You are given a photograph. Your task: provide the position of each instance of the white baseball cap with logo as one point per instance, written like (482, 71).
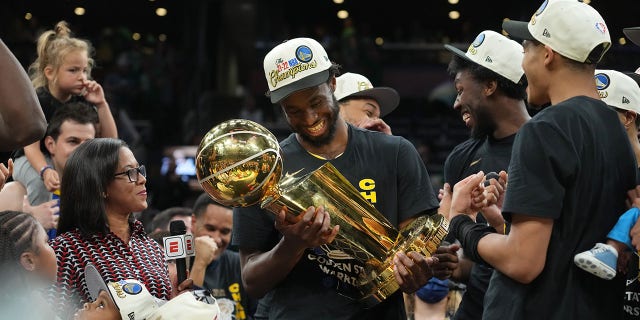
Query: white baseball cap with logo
(130, 296)
(294, 65)
(496, 53)
(135, 302)
(353, 85)
(618, 90)
(571, 28)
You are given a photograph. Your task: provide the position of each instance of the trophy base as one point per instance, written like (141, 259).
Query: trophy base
(423, 235)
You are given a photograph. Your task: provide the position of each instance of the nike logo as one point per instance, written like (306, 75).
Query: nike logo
(474, 163)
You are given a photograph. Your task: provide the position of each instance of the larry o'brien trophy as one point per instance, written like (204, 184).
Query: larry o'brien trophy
(239, 164)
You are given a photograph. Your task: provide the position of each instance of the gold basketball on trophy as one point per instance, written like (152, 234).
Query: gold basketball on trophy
(238, 162)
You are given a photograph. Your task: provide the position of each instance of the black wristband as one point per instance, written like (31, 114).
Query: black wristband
(469, 234)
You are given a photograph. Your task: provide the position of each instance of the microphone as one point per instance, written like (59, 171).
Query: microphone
(178, 246)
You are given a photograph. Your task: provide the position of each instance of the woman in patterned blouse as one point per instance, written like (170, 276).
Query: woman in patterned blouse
(102, 186)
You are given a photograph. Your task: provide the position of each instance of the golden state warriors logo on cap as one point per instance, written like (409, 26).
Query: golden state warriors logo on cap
(602, 81)
(479, 40)
(539, 11)
(304, 54)
(132, 288)
(542, 7)
(476, 43)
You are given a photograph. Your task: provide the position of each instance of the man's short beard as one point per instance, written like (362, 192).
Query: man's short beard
(326, 139)
(484, 125)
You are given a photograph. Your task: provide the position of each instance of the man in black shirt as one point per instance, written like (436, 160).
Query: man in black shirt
(491, 90)
(305, 276)
(570, 170)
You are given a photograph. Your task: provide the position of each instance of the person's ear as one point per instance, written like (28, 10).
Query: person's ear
(28, 261)
(49, 143)
(332, 84)
(193, 223)
(49, 72)
(629, 119)
(549, 55)
(490, 87)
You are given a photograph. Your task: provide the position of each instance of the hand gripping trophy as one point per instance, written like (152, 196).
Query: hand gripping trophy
(239, 164)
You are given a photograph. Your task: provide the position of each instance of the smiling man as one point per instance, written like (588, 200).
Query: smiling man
(291, 261)
(362, 104)
(570, 170)
(490, 86)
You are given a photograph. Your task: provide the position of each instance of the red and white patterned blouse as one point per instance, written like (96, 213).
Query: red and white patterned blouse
(142, 259)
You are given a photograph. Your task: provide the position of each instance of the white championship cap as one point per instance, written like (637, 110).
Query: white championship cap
(134, 301)
(618, 90)
(130, 296)
(496, 53)
(571, 28)
(352, 85)
(294, 65)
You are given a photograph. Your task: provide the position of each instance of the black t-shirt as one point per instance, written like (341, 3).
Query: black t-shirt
(388, 172)
(571, 163)
(224, 281)
(632, 292)
(468, 158)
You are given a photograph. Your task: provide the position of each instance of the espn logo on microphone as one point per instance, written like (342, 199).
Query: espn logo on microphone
(176, 247)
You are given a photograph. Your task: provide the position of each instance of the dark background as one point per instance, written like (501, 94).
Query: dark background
(210, 65)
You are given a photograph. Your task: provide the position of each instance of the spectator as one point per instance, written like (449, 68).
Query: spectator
(163, 218)
(61, 74)
(102, 186)
(215, 267)
(28, 265)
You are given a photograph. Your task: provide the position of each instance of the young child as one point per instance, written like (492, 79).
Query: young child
(28, 264)
(61, 74)
(130, 299)
(621, 92)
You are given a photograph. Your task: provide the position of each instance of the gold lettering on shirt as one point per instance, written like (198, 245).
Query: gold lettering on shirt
(368, 185)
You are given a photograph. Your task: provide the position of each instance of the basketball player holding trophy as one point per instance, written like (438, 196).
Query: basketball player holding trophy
(334, 222)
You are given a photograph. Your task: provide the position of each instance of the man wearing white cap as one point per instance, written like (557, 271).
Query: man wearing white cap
(306, 276)
(362, 104)
(571, 167)
(491, 91)
(621, 92)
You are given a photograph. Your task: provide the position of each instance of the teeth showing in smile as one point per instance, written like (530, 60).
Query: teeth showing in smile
(317, 128)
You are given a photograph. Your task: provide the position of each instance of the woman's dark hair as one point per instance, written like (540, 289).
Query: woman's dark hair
(482, 74)
(87, 173)
(18, 234)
